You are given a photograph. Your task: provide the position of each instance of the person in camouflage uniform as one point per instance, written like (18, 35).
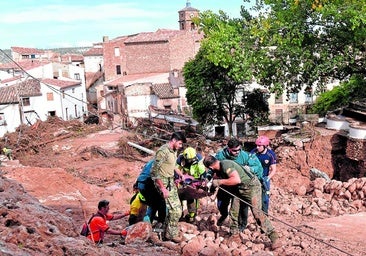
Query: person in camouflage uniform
(162, 174)
(246, 187)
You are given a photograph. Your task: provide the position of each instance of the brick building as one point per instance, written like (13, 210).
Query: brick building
(162, 52)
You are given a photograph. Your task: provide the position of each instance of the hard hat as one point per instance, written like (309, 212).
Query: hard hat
(189, 153)
(262, 141)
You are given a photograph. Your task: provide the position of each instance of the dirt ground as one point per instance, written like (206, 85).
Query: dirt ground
(71, 173)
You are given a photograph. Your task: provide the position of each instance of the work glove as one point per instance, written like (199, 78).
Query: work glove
(215, 183)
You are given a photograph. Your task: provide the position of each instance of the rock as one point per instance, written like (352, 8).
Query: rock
(301, 190)
(352, 187)
(318, 193)
(358, 204)
(213, 250)
(319, 183)
(193, 247)
(138, 233)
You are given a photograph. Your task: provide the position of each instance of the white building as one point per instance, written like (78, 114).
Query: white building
(38, 89)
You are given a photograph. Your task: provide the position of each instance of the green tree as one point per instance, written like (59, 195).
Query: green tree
(302, 43)
(255, 105)
(210, 92)
(341, 96)
(222, 66)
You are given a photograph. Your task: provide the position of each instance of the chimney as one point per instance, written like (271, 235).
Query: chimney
(105, 39)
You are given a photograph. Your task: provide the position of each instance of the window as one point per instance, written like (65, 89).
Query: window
(50, 96)
(293, 97)
(279, 115)
(73, 90)
(118, 69)
(279, 98)
(116, 52)
(240, 129)
(52, 113)
(308, 97)
(2, 119)
(77, 76)
(220, 131)
(25, 101)
(76, 110)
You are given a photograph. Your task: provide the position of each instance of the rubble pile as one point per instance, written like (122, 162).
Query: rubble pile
(42, 214)
(33, 139)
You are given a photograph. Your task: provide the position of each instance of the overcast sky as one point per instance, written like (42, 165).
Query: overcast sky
(70, 23)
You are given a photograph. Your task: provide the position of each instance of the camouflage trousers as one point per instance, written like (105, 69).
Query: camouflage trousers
(174, 209)
(252, 194)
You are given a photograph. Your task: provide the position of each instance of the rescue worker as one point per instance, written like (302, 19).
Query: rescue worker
(189, 163)
(162, 173)
(8, 152)
(99, 226)
(246, 187)
(268, 159)
(138, 207)
(154, 200)
(233, 151)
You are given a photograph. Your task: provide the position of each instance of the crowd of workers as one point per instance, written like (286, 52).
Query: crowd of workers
(241, 178)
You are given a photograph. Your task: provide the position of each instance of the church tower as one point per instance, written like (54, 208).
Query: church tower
(185, 17)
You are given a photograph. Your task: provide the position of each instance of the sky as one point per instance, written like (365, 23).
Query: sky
(71, 23)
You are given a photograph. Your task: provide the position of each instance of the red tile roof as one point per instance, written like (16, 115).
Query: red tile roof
(72, 57)
(97, 51)
(24, 64)
(28, 88)
(10, 79)
(161, 35)
(91, 78)
(26, 51)
(164, 91)
(61, 83)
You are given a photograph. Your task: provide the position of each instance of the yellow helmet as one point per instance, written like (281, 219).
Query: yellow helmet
(141, 197)
(189, 153)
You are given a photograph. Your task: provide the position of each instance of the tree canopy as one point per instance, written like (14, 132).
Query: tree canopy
(341, 96)
(222, 67)
(308, 43)
(287, 46)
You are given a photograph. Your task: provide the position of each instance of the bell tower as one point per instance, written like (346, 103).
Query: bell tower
(185, 17)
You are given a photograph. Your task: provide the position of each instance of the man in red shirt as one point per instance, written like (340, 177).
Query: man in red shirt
(98, 225)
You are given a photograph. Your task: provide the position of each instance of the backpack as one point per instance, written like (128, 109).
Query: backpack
(145, 175)
(85, 228)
